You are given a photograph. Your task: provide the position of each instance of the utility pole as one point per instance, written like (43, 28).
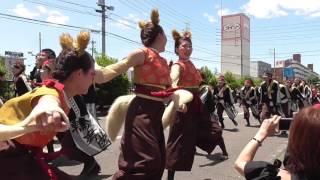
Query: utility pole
(92, 47)
(187, 26)
(274, 61)
(103, 10)
(39, 41)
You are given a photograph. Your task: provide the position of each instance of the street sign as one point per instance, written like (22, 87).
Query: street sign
(15, 54)
(288, 72)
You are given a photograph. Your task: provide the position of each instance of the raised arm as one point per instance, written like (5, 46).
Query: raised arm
(175, 75)
(45, 116)
(268, 127)
(107, 73)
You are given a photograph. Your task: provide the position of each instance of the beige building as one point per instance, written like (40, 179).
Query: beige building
(235, 44)
(257, 68)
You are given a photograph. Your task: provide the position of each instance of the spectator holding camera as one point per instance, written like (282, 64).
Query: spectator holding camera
(303, 148)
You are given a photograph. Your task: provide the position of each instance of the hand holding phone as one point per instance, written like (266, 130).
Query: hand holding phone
(285, 123)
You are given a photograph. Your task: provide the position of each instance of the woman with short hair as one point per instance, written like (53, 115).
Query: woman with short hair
(21, 85)
(303, 148)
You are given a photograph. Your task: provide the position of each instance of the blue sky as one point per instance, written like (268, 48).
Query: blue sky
(289, 26)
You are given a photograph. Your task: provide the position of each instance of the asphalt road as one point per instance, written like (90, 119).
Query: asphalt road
(205, 167)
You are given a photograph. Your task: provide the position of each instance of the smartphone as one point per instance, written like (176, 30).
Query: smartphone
(285, 123)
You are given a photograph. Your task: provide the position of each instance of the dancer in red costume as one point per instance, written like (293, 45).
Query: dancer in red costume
(44, 110)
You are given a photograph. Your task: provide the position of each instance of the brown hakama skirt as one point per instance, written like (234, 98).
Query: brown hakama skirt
(191, 129)
(142, 153)
(181, 144)
(209, 133)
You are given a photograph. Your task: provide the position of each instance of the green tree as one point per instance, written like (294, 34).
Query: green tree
(313, 79)
(231, 80)
(104, 60)
(257, 82)
(108, 92)
(6, 92)
(243, 78)
(209, 77)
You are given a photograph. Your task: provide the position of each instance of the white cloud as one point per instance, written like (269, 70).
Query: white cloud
(209, 17)
(128, 22)
(303, 7)
(223, 12)
(145, 14)
(20, 10)
(42, 9)
(317, 14)
(276, 8)
(133, 17)
(57, 17)
(123, 24)
(265, 9)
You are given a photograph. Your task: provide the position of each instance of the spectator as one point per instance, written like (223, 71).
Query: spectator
(46, 70)
(44, 55)
(20, 80)
(90, 100)
(1, 80)
(303, 148)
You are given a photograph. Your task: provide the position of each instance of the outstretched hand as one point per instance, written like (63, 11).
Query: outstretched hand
(48, 116)
(51, 121)
(269, 126)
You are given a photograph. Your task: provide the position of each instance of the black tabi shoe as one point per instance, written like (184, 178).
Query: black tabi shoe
(224, 156)
(234, 122)
(90, 168)
(222, 125)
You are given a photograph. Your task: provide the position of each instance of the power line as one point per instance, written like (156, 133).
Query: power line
(46, 22)
(85, 12)
(277, 32)
(282, 26)
(172, 15)
(179, 14)
(268, 43)
(77, 4)
(80, 5)
(164, 14)
(202, 49)
(12, 17)
(205, 50)
(282, 37)
(199, 48)
(61, 7)
(22, 19)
